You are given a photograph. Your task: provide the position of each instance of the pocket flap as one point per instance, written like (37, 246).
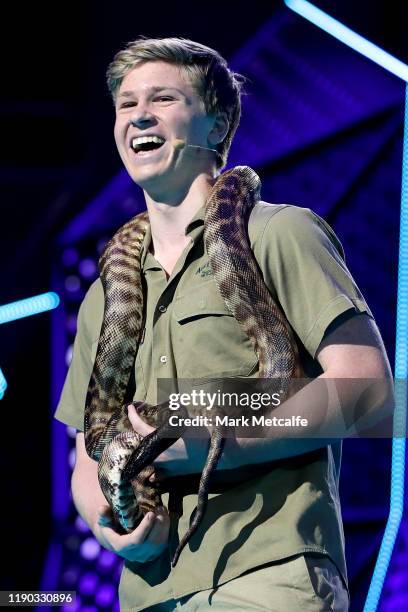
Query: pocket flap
(201, 301)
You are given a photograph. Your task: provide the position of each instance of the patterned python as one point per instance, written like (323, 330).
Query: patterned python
(125, 458)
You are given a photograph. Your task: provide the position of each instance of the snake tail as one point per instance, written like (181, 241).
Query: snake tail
(217, 444)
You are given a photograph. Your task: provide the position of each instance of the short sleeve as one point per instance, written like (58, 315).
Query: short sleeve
(70, 409)
(303, 264)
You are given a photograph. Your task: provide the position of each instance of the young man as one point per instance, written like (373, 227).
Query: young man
(271, 538)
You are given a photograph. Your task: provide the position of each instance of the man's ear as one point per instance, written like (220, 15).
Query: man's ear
(219, 129)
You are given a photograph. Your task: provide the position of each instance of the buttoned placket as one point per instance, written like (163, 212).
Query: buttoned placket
(161, 351)
(161, 358)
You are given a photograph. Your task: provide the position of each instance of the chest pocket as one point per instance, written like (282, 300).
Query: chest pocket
(208, 340)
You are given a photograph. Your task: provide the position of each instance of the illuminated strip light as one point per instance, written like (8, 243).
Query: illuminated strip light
(25, 308)
(29, 306)
(3, 385)
(401, 373)
(349, 37)
(399, 69)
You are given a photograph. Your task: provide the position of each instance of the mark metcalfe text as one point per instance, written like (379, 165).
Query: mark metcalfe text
(252, 421)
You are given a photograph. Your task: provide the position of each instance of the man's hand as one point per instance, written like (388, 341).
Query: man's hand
(186, 456)
(145, 543)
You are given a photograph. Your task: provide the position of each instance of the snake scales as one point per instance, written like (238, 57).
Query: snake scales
(125, 458)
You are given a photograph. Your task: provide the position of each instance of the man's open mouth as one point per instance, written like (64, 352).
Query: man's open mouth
(143, 144)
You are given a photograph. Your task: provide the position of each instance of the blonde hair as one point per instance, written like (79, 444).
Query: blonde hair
(219, 87)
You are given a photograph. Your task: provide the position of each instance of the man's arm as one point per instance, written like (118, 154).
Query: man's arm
(352, 350)
(145, 543)
(86, 492)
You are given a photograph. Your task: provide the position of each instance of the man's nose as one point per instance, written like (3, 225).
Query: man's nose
(142, 118)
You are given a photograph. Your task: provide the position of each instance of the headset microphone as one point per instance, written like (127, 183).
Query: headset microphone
(179, 145)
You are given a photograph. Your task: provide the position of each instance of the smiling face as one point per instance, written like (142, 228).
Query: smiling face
(156, 104)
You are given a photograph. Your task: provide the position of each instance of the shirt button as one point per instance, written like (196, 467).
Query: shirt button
(162, 308)
(163, 359)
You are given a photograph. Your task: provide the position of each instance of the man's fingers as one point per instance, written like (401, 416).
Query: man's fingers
(137, 536)
(145, 543)
(160, 530)
(105, 516)
(143, 529)
(137, 423)
(158, 475)
(151, 527)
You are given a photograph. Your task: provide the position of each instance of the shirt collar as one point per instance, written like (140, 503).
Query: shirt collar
(145, 253)
(195, 227)
(197, 220)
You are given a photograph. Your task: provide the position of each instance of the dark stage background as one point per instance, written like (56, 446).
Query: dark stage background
(323, 128)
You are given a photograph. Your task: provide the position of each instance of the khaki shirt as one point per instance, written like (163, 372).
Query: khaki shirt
(190, 333)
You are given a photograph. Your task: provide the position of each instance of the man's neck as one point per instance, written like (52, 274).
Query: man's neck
(169, 219)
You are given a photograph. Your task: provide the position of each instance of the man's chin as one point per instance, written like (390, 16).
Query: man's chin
(145, 175)
(149, 180)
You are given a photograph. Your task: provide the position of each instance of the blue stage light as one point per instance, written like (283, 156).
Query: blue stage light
(25, 308)
(105, 595)
(3, 384)
(29, 306)
(88, 583)
(400, 411)
(398, 68)
(349, 37)
(90, 549)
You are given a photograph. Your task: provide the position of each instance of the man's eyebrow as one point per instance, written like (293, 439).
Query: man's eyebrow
(129, 94)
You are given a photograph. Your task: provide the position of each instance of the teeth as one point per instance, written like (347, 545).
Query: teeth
(136, 142)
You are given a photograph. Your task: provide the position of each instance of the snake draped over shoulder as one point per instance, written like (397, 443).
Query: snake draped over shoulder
(125, 458)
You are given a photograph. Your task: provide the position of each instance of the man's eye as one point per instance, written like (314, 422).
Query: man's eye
(127, 104)
(164, 98)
